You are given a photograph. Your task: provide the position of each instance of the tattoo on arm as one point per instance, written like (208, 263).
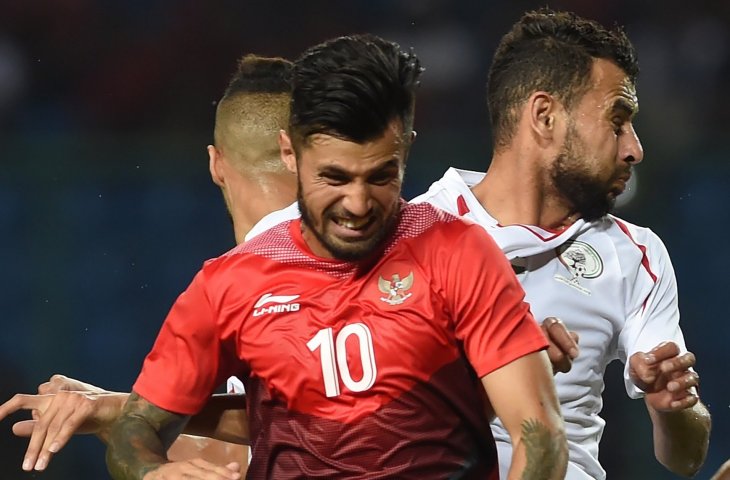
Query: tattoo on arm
(139, 439)
(541, 451)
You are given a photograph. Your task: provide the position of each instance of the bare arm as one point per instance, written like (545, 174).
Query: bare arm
(67, 407)
(523, 396)
(681, 438)
(189, 447)
(57, 417)
(140, 437)
(139, 440)
(224, 418)
(681, 423)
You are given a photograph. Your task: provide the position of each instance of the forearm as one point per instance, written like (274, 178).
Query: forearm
(134, 448)
(223, 418)
(539, 452)
(109, 409)
(681, 438)
(524, 398)
(188, 447)
(140, 437)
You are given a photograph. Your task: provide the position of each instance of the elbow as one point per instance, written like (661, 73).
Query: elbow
(687, 463)
(111, 463)
(688, 453)
(684, 469)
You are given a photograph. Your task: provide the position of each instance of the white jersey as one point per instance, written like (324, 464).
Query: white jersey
(610, 281)
(272, 219)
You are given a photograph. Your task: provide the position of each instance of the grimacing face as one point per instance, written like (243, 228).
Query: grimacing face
(349, 193)
(601, 145)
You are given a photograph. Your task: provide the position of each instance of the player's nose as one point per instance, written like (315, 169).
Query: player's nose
(358, 200)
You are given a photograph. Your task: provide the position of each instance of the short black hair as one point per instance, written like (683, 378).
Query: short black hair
(351, 88)
(255, 74)
(553, 52)
(254, 108)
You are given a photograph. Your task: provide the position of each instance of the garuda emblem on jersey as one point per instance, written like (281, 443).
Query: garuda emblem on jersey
(582, 261)
(396, 288)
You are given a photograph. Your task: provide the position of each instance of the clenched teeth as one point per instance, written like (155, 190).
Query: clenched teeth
(351, 223)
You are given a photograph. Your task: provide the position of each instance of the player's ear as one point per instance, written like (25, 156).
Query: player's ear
(215, 166)
(543, 110)
(288, 156)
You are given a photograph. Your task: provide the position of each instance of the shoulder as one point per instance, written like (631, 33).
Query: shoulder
(419, 218)
(444, 192)
(436, 232)
(251, 254)
(643, 237)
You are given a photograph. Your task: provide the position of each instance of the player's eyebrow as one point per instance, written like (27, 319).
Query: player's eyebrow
(625, 106)
(393, 163)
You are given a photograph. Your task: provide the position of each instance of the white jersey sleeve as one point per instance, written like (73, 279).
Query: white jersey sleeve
(235, 386)
(654, 319)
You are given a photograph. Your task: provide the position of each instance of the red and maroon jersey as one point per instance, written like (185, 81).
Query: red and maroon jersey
(352, 370)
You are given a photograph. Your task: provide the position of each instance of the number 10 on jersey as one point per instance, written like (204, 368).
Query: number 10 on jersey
(336, 348)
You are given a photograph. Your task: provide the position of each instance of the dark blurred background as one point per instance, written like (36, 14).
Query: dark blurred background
(107, 210)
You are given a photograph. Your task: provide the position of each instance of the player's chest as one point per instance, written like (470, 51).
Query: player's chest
(310, 339)
(580, 282)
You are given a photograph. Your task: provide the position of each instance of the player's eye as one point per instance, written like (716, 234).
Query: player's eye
(618, 125)
(381, 178)
(335, 178)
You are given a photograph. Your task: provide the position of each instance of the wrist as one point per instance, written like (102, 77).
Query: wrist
(108, 410)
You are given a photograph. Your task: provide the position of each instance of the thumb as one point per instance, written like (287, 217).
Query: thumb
(234, 467)
(24, 428)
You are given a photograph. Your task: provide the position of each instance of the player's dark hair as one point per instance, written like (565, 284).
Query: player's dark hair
(252, 111)
(553, 52)
(351, 88)
(256, 74)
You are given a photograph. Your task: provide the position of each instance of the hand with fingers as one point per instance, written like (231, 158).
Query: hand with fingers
(196, 469)
(57, 417)
(563, 348)
(58, 383)
(666, 377)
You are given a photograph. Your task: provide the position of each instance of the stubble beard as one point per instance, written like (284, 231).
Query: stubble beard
(342, 250)
(589, 196)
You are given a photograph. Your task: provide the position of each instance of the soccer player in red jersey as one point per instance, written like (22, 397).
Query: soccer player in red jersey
(366, 341)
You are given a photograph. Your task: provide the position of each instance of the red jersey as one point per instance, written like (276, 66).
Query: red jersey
(352, 370)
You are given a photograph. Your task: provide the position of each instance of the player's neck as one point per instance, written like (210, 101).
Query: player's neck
(257, 201)
(516, 192)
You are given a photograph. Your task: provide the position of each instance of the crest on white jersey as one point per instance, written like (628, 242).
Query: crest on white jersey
(396, 288)
(582, 261)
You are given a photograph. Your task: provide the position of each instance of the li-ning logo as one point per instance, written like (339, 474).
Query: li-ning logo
(395, 288)
(283, 304)
(582, 261)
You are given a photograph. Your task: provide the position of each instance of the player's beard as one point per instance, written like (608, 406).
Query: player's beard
(588, 195)
(343, 249)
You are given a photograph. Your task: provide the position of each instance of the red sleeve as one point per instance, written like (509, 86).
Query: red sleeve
(183, 368)
(491, 317)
